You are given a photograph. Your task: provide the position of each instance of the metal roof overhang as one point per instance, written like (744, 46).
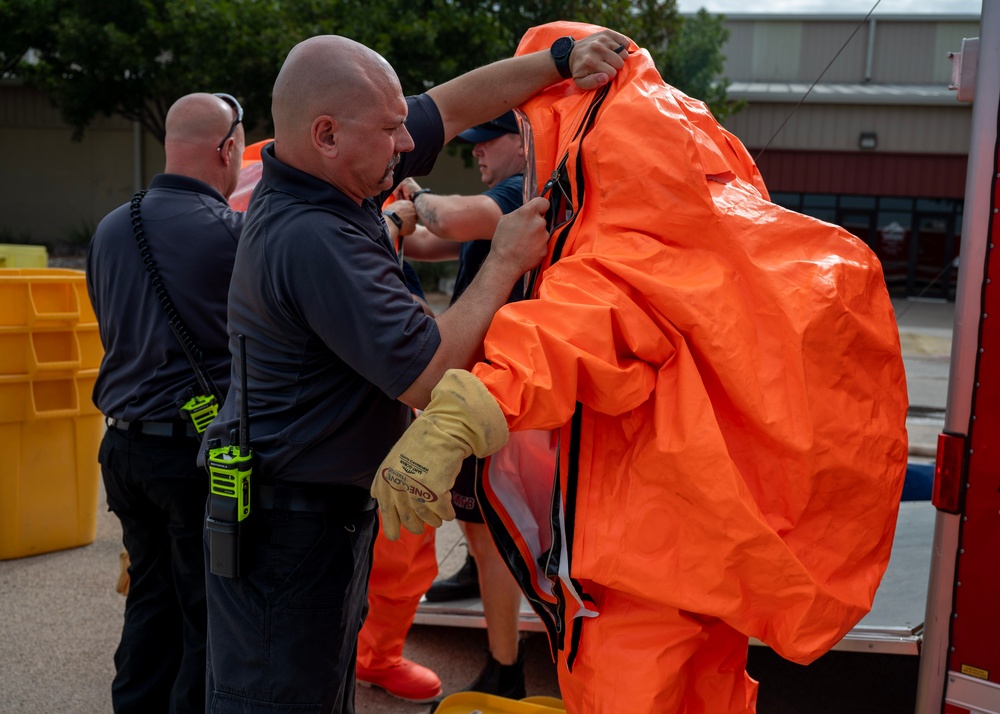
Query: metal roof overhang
(848, 16)
(871, 94)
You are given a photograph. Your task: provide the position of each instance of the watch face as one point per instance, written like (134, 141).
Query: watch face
(562, 46)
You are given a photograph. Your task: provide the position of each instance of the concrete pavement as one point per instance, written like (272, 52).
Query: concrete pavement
(60, 617)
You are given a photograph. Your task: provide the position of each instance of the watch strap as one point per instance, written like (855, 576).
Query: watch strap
(391, 215)
(561, 50)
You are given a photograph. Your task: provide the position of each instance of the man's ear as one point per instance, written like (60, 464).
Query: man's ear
(520, 143)
(227, 150)
(324, 135)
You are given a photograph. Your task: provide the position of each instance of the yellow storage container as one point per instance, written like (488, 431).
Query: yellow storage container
(50, 430)
(44, 297)
(550, 702)
(30, 400)
(30, 351)
(479, 703)
(23, 256)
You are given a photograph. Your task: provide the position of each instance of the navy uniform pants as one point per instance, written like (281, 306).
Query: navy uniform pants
(283, 636)
(158, 493)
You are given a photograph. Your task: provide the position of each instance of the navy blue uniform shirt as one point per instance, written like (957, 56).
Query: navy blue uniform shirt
(192, 234)
(333, 336)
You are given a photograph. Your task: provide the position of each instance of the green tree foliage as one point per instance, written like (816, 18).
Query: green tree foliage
(133, 58)
(22, 24)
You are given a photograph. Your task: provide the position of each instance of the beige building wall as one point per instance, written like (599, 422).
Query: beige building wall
(900, 129)
(55, 189)
(889, 78)
(762, 48)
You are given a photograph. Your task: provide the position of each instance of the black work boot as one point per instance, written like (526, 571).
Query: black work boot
(460, 586)
(501, 680)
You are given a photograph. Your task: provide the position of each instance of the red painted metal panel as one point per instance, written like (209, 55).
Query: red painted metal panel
(864, 173)
(976, 624)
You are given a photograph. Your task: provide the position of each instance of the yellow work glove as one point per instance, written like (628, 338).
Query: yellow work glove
(413, 484)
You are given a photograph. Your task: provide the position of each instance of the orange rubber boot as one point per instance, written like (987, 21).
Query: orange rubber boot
(402, 571)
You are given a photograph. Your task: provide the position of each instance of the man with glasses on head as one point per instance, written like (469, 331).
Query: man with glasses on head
(149, 453)
(237, 120)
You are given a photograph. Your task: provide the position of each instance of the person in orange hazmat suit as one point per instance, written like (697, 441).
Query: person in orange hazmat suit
(697, 424)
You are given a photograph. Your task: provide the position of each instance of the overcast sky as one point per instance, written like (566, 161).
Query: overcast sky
(885, 7)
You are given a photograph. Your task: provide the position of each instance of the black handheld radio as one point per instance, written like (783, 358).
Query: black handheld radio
(229, 469)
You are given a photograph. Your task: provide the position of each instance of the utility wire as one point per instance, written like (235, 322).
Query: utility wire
(829, 64)
(777, 131)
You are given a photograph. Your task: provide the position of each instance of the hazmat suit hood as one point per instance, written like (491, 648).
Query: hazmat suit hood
(719, 379)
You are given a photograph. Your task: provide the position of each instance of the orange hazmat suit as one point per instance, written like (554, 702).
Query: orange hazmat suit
(251, 169)
(707, 408)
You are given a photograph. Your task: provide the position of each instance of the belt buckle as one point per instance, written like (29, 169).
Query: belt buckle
(113, 423)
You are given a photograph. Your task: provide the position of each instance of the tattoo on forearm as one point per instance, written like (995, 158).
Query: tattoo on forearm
(428, 216)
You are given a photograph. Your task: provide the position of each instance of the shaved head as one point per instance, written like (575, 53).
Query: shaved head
(339, 114)
(195, 125)
(331, 75)
(198, 119)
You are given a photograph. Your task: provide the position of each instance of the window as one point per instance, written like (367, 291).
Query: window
(895, 204)
(929, 205)
(787, 200)
(819, 200)
(858, 202)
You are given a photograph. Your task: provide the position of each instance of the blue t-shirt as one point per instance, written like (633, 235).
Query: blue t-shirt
(509, 195)
(412, 281)
(333, 335)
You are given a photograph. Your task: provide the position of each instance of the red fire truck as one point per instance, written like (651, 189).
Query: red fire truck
(960, 651)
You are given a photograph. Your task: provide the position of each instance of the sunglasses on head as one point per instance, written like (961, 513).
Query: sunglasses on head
(231, 101)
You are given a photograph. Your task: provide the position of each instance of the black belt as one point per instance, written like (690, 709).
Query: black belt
(312, 499)
(172, 429)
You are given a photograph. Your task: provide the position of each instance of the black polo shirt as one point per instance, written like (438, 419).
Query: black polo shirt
(333, 336)
(192, 235)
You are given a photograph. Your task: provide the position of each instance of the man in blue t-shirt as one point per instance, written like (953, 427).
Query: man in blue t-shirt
(337, 350)
(461, 227)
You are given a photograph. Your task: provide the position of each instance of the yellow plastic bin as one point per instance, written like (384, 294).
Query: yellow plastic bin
(47, 324)
(50, 430)
(479, 703)
(36, 350)
(44, 297)
(49, 476)
(551, 702)
(23, 256)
